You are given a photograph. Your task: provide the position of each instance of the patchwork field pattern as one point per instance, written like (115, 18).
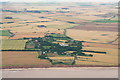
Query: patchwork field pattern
(96, 24)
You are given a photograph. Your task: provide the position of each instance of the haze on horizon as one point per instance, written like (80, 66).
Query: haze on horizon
(60, 1)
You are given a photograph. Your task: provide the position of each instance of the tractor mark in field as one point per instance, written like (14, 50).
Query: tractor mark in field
(100, 45)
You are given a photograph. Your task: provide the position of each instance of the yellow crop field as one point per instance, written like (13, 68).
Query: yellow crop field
(27, 35)
(97, 59)
(111, 51)
(31, 31)
(91, 36)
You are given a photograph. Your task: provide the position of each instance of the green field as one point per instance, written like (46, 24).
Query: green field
(4, 33)
(13, 44)
(62, 26)
(58, 35)
(106, 21)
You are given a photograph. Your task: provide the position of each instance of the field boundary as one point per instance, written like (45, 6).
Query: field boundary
(52, 66)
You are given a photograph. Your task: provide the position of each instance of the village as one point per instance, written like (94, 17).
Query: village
(56, 45)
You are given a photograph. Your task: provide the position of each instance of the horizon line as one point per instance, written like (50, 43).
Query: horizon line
(60, 1)
(64, 1)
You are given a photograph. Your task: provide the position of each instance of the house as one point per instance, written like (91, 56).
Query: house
(63, 44)
(69, 52)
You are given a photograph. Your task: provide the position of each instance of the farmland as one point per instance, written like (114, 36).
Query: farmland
(4, 33)
(63, 33)
(62, 60)
(15, 58)
(92, 36)
(98, 59)
(106, 21)
(13, 44)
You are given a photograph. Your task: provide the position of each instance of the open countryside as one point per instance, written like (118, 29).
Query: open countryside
(59, 34)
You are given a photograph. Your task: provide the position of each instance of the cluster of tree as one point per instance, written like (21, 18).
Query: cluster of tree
(45, 45)
(10, 22)
(41, 26)
(44, 56)
(42, 17)
(8, 18)
(59, 37)
(14, 11)
(1, 23)
(37, 11)
(30, 11)
(63, 8)
(71, 22)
